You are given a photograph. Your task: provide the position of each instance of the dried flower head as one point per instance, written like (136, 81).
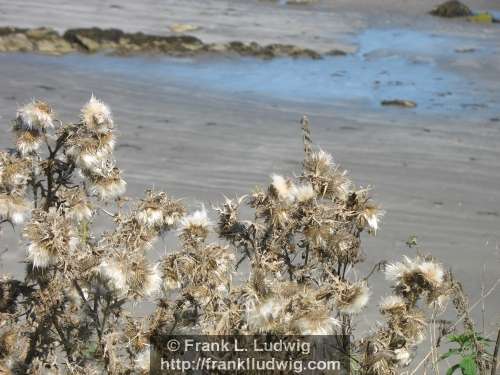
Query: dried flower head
(51, 237)
(304, 193)
(195, 226)
(317, 322)
(131, 274)
(28, 141)
(282, 188)
(35, 115)
(130, 235)
(90, 151)
(410, 325)
(351, 298)
(402, 356)
(432, 272)
(318, 163)
(370, 216)
(261, 316)
(107, 183)
(14, 208)
(114, 272)
(415, 276)
(14, 173)
(319, 233)
(76, 204)
(394, 305)
(228, 224)
(159, 210)
(8, 341)
(327, 179)
(97, 116)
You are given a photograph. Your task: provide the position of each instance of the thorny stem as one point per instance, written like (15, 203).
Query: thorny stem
(377, 267)
(49, 170)
(34, 336)
(248, 239)
(33, 339)
(67, 346)
(462, 305)
(105, 314)
(241, 261)
(306, 135)
(306, 257)
(288, 262)
(93, 313)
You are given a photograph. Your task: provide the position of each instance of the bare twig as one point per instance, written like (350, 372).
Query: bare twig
(472, 307)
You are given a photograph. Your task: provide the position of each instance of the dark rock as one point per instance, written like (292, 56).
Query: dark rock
(116, 41)
(488, 213)
(94, 33)
(45, 87)
(399, 103)
(451, 9)
(56, 46)
(41, 33)
(8, 30)
(270, 51)
(474, 106)
(16, 42)
(465, 50)
(336, 52)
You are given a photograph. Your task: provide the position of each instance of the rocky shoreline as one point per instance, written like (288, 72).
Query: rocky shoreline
(114, 41)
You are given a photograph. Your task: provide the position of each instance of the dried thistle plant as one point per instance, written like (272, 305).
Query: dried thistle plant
(302, 245)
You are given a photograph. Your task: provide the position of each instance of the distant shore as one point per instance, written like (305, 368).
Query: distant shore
(94, 40)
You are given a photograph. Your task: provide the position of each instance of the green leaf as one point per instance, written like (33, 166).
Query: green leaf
(460, 339)
(452, 369)
(468, 366)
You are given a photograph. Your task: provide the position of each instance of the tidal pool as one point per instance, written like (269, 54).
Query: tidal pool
(389, 64)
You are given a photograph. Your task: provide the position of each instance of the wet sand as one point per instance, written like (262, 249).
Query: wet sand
(436, 173)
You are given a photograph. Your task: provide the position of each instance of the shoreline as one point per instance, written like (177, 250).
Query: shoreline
(92, 40)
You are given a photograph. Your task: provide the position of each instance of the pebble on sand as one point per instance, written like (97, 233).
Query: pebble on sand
(399, 103)
(183, 28)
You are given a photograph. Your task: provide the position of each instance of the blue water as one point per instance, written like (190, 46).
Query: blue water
(389, 64)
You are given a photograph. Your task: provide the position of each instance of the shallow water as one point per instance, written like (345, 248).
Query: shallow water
(389, 64)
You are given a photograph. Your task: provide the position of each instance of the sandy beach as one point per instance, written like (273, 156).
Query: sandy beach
(435, 169)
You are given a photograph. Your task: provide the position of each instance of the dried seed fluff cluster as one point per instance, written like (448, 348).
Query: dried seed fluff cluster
(31, 124)
(298, 240)
(15, 173)
(90, 145)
